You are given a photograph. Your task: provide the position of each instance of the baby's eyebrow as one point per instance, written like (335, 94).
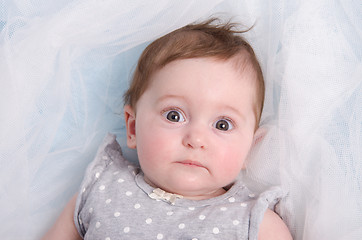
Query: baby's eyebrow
(173, 96)
(240, 113)
(234, 110)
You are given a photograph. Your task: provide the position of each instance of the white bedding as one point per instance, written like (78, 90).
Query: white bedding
(65, 64)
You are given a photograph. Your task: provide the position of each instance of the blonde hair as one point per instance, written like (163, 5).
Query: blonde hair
(204, 39)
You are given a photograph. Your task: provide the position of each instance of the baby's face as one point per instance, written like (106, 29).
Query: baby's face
(194, 126)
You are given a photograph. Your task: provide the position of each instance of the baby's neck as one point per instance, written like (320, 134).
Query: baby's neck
(204, 196)
(216, 193)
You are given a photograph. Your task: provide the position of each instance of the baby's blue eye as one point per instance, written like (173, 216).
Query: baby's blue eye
(174, 116)
(223, 125)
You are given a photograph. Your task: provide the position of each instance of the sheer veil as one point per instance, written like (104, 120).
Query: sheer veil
(65, 64)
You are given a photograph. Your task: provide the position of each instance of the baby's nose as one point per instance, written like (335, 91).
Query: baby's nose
(195, 139)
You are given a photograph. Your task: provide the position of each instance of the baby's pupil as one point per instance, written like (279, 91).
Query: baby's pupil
(173, 116)
(222, 125)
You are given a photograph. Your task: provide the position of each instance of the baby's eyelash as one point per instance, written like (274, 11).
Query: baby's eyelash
(163, 111)
(230, 126)
(229, 119)
(173, 115)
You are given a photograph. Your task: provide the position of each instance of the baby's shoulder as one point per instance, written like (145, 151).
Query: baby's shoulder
(273, 228)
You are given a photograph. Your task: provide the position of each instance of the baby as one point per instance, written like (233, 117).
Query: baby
(192, 112)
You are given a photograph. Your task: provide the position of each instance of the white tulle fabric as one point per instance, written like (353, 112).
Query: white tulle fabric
(65, 64)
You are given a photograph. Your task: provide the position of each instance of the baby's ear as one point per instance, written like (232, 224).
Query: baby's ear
(130, 119)
(259, 135)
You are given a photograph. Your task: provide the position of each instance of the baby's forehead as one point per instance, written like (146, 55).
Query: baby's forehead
(239, 66)
(242, 62)
(243, 65)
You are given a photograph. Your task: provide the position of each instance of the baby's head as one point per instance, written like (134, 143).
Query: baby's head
(204, 40)
(192, 109)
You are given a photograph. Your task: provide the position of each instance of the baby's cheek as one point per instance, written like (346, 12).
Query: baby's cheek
(231, 171)
(152, 146)
(231, 165)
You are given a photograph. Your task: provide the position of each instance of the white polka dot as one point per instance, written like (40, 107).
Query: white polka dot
(105, 157)
(251, 195)
(126, 229)
(236, 222)
(97, 175)
(90, 210)
(243, 204)
(102, 187)
(169, 213)
(98, 224)
(202, 217)
(215, 230)
(223, 208)
(128, 193)
(120, 180)
(195, 239)
(160, 236)
(231, 199)
(83, 190)
(116, 172)
(137, 206)
(148, 220)
(108, 201)
(117, 214)
(191, 208)
(181, 226)
(107, 238)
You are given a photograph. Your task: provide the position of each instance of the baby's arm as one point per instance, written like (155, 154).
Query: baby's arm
(273, 228)
(64, 227)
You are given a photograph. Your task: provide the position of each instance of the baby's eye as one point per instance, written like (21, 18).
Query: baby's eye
(174, 116)
(224, 125)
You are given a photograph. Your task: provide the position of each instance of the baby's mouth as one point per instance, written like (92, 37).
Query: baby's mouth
(191, 163)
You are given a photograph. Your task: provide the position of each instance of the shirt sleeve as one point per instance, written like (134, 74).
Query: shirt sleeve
(102, 160)
(267, 199)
